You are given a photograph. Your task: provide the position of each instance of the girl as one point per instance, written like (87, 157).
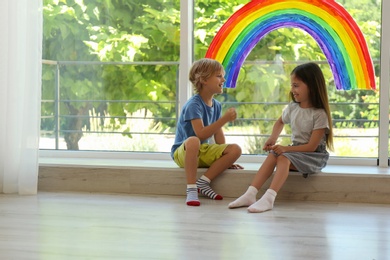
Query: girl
(311, 125)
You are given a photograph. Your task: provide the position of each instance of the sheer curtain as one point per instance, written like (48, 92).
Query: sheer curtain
(20, 93)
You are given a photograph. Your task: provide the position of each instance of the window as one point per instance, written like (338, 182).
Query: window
(263, 83)
(111, 77)
(110, 74)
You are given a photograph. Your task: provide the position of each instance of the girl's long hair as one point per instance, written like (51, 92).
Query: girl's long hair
(311, 74)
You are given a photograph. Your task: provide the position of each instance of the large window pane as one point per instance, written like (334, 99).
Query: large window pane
(111, 70)
(263, 83)
(110, 74)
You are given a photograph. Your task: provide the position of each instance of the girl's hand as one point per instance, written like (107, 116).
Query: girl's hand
(279, 149)
(268, 145)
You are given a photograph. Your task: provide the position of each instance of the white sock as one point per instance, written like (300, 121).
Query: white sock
(266, 202)
(248, 198)
(192, 195)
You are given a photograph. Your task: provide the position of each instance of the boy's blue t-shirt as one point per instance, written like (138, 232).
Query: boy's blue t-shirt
(195, 108)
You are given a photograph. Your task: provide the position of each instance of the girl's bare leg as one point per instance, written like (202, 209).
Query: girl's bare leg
(266, 202)
(266, 170)
(281, 173)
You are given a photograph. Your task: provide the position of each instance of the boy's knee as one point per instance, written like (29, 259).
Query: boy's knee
(235, 148)
(192, 143)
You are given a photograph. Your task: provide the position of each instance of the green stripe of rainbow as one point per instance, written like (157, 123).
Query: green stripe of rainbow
(326, 21)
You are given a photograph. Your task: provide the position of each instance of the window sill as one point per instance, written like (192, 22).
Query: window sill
(336, 183)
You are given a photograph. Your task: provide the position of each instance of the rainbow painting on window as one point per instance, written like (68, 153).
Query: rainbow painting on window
(332, 27)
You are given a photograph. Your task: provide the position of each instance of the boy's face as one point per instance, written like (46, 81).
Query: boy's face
(214, 84)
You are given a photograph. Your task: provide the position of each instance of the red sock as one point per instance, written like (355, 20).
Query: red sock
(193, 203)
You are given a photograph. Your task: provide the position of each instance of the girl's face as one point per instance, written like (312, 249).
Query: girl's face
(300, 92)
(214, 84)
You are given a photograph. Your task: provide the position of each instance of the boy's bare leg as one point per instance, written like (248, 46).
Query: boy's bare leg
(229, 157)
(192, 146)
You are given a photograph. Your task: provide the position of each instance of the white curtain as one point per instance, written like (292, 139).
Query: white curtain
(20, 94)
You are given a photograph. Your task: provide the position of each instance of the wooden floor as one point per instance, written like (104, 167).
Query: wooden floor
(70, 225)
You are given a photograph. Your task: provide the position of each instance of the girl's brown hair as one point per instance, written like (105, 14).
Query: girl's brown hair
(311, 74)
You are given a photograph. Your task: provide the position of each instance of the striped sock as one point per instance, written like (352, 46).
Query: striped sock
(192, 195)
(204, 188)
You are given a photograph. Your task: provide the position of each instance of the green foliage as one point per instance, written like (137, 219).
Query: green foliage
(112, 31)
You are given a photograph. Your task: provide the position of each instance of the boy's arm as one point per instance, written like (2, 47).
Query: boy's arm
(219, 137)
(205, 132)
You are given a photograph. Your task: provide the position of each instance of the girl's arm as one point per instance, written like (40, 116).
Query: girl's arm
(311, 146)
(276, 130)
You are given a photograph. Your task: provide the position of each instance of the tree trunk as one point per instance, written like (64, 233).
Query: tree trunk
(75, 126)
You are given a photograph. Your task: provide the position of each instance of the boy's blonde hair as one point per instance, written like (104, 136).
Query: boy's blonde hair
(202, 70)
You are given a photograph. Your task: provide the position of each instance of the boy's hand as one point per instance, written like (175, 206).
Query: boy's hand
(230, 114)
(236, 167)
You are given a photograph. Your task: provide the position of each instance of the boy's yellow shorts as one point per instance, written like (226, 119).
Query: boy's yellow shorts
(208, 154)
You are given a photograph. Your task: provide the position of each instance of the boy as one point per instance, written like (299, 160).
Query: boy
(200, 121)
